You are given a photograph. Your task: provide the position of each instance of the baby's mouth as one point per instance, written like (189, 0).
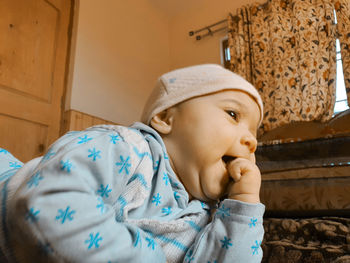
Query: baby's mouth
(227, 159)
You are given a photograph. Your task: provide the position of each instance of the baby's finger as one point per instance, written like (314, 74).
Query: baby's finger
(235, 169)
(252, 158)
(240, 167)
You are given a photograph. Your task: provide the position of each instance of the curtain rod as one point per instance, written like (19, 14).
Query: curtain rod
(211, 32)
(209, 28)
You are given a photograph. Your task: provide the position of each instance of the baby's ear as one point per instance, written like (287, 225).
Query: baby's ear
(163, 121)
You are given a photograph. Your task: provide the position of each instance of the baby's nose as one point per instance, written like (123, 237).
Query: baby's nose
(250, 141)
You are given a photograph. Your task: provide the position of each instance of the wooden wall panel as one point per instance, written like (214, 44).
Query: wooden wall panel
(312, 189)
(76, 121)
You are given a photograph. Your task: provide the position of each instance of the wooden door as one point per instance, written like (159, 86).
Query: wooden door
(34, 37)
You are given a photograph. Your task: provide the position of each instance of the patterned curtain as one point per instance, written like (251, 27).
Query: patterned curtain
(342, 8)
(286, 48)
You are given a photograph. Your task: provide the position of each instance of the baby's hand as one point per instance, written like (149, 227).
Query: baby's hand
(246, 180)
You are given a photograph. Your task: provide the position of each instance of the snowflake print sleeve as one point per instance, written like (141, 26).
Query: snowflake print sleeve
(72, 206)
(234, 235)
(8, 164)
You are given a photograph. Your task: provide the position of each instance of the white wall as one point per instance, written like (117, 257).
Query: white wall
(185, 50)
(121, 47)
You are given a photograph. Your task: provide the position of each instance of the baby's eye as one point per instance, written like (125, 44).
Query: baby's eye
(233, 114)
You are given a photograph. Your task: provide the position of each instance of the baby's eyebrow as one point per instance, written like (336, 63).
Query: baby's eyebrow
(233, 101)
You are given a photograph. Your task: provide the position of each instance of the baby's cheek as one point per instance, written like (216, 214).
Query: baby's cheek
(214, 182)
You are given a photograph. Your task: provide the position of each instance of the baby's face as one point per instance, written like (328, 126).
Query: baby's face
(206, 133)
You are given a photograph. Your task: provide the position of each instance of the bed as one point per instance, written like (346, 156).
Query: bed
(306, 190)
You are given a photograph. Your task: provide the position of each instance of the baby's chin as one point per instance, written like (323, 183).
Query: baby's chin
(213, 195)
(202, 196)
(209, 188)
(214, 190)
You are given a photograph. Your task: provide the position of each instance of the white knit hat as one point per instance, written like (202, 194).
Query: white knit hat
(182, 84)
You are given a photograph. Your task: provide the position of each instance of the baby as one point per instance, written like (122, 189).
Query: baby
(180, 187)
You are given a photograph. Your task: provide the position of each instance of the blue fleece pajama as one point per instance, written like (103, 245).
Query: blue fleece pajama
(109, 194)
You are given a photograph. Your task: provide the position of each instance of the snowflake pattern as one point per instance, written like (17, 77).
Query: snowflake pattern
(124, 164)
(223, 212)
(34, 180)
(48, 155)
(115, 138)
(101, 205)
(256, 247)
(137, 239)
(94, 154)
(84, 139)
(166, 178)
(104, 190)
(176, 195)
(94, 240)
(253, 222)
(4, 151)
(166, 210)
(14, 165)
(156, 165)
(32, 215)
(66, 165)
(151, 242)
(65, 214)
(226, 243)
(156, 199)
